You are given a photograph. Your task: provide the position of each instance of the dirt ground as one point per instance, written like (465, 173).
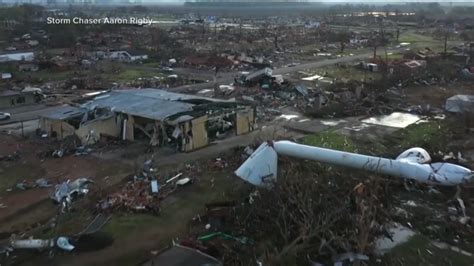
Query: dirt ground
(30, 167)
(108, 166)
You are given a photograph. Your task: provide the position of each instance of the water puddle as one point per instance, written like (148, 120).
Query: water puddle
(396, 119)
(332, 122)
(399, 234)
(287, 117)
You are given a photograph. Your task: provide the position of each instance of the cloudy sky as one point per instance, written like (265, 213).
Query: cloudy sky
(324, 1)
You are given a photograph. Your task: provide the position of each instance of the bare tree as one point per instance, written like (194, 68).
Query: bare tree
(343, 38)
(311, 213)
(446, 37)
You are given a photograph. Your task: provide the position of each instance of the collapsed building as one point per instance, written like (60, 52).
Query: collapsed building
(163, 118)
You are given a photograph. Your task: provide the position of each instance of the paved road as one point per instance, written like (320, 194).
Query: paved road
(228, 77)
(26, 113)
(192, 73)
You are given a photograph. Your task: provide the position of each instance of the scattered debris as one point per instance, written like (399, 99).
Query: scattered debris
(183, 255)
(242, 240)
(10, 157)
(442, 245)
(67, 191)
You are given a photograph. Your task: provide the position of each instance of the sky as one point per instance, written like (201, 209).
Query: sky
(325, 1)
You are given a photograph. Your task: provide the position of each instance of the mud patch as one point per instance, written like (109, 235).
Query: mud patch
(92, 242)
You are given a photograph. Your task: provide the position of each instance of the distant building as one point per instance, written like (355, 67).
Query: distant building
(127, 56)
(29, 67)
(17, 56)
(5, 76)
(9, 98)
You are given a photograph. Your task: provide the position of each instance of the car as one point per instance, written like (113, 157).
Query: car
(167, 69)
(5, 116)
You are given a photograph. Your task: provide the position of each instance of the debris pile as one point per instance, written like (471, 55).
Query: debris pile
(27, 184)
(146, 190)
(273, 93)
(135, 196)
(15, 156)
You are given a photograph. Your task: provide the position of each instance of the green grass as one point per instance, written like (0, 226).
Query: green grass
(412, 37)
(152, 64)
(414, 252)
(176, 211)
(431, 135)
(419, 41)
(176, 208)
(123, 225)
(45, 75)
(330, 140)
(394, 56)
(8, 68)
(348, 73)
(70, 223)
(11, 175)
(130, 74)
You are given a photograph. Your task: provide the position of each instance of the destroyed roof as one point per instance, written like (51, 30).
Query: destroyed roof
(148, 103)
(182, 118)
(265, 71)
(136, 52)
(165, 95)
(65, 112)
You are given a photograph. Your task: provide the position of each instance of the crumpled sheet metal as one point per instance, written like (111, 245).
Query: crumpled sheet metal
(67, 188)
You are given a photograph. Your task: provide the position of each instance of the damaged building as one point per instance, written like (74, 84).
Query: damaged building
(11, 98)
(159, 117)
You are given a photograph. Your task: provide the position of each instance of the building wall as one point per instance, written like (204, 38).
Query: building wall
(129, 135)
(12, 100)
(199, 137)
(245, 121)
(61, 128)
(91, 131)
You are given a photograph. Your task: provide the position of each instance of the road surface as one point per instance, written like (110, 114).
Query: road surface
(227, 78)
(26, 113)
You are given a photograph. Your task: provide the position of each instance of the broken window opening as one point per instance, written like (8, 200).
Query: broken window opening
(220, 126)
(74, 121)
(143, 129)
(20, 99)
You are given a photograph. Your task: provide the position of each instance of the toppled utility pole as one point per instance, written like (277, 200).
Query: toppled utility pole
(260, 168)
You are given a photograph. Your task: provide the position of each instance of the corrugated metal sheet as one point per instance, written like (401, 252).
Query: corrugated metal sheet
(65, 112)
(140, 106)
(165, 95)
(149, 103)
